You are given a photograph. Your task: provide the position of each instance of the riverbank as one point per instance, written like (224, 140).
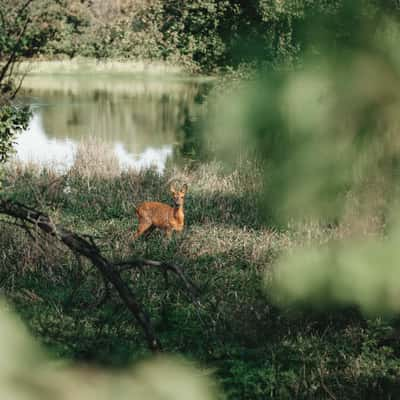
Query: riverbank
(257, 350)
(88, 66)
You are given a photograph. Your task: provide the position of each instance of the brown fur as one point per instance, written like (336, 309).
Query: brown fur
(152, 214)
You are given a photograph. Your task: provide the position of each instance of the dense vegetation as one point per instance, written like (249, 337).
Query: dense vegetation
(201, 34)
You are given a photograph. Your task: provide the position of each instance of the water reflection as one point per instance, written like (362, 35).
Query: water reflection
(140, 120)
(34, 146)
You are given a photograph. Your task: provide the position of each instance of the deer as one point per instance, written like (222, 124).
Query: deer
(152, 214)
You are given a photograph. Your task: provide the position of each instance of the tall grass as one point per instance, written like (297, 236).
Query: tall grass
(94, 159)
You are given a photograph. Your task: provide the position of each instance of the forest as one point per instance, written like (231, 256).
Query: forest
(199, 199)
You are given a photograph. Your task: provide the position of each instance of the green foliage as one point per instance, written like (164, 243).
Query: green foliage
(201, 34)
(12, 120)
(26, 27)
(362, 273)
(327, 135)
(207, 34)
(322, 120)
(27, 373)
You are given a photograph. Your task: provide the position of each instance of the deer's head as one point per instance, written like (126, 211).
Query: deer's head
(179, 195)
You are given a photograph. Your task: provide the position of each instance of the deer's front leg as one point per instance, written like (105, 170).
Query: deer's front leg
(168, 233)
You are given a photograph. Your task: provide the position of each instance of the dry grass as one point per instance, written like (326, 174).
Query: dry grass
(87, 66)
(94, 159)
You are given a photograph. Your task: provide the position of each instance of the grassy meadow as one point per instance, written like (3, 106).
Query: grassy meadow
(253, 348)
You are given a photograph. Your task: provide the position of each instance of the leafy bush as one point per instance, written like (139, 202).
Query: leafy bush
(25, 27)
(12, 119)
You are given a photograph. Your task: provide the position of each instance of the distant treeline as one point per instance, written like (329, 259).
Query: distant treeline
(201, 34)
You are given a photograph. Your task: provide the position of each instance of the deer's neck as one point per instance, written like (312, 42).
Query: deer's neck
(178, 214)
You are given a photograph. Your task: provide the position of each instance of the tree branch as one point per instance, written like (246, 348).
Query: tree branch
(13, 56)
(83, 247)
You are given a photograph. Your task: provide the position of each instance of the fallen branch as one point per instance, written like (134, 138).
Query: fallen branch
(83, 247)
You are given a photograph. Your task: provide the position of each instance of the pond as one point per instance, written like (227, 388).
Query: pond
(145, 121)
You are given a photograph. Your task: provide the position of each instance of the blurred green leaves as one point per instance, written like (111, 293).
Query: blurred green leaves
(26, 374)
(327, 134)
(357, 272)
(321, 132)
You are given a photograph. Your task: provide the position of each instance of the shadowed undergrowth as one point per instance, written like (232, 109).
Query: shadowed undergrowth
(257, 350)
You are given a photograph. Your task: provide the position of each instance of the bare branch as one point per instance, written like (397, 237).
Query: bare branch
(20, 82)
(13, 56)
(83, 247)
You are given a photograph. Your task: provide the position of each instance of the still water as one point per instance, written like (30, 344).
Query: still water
(144, 121)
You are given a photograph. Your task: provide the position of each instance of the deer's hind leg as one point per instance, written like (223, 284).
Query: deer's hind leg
(149, 231)
(142, 228)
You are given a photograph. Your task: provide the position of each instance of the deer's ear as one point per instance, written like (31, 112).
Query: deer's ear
(184, 188)
(172, 189)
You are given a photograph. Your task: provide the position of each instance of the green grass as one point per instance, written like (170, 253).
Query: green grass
(257, 350)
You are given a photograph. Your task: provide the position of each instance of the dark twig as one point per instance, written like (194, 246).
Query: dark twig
(164, 267)
(191, 288)
(106, 295)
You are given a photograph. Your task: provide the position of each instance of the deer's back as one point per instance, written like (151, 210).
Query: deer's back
(158, 214)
